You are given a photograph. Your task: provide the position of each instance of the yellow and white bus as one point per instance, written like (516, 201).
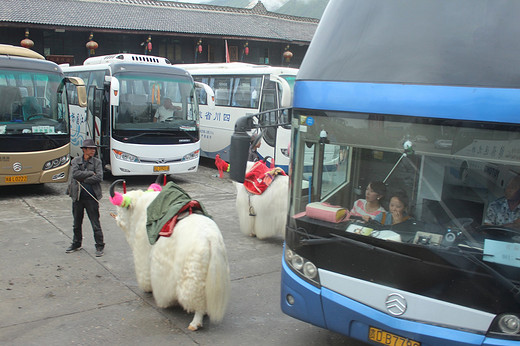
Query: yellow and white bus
(34, 118)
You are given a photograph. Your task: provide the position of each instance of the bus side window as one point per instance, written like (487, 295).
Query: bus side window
(222, 97)
(242, 97)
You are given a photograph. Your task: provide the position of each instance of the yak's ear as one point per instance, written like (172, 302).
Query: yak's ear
(154, 187)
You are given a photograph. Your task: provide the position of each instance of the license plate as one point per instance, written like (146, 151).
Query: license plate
(16, 179)
(386, 338)
(161, 168)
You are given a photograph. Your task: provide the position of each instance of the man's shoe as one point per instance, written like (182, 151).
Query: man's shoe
(73, 248)
(99, 252)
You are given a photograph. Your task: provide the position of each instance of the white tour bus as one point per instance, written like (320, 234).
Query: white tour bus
(126, 95)
(243, 89)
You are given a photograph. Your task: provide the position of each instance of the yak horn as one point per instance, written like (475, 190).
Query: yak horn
(161, 178)
(113, 185)
(157, 185)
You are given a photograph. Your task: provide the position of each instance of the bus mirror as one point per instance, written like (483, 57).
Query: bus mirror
(238, 156)
(82, 96)
(286, 100)
(82, 91)
(208, 92)
(239, 149)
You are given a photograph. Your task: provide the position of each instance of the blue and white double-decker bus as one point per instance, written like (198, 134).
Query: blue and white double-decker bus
(424, 97)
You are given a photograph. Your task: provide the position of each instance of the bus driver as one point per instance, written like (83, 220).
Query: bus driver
(165, 112)
(505, 211)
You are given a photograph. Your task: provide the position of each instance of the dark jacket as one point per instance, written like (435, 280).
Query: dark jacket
(88, 172)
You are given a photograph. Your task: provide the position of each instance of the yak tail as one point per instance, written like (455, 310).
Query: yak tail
(218, 281)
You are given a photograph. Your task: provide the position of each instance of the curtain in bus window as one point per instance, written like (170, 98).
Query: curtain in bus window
(245, 92)
(222, 88)
(241, 93)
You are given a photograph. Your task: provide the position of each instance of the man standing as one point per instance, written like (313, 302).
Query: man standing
(85, 191)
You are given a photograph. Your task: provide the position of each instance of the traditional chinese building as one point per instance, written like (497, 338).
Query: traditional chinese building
(69, 31)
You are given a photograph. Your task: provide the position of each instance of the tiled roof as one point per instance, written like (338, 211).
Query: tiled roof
(160, 16)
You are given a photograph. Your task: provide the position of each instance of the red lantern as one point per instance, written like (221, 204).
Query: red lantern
(149, 46)
(287, 55)
(246, 49)
(92, 46)
(27, 42)
(200, 48)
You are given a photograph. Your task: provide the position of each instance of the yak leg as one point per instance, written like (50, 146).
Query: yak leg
(196, 323)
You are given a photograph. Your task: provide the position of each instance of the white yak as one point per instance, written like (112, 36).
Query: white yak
(264, 215)
(189, 268)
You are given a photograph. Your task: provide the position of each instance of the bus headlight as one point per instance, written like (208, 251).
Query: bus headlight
(57, 162)
(121, 155)
(297, 262)
(191, 156)
(310, 270)
(506, 325)
(509, 324)
(302, 266)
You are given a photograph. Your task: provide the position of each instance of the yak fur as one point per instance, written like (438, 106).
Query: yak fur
(270, 208)
(190, 268)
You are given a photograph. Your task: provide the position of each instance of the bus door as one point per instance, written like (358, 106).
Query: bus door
(96, 118)
(276, 94)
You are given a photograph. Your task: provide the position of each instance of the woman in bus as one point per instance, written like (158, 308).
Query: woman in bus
(398, 210)
(370, 207)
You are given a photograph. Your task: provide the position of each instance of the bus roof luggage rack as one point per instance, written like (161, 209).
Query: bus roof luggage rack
(134, 58)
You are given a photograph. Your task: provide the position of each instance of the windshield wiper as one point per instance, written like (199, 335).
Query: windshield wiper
(148, 134)
(49, 137)
(191, 136)
(337, 238)
(504, 281)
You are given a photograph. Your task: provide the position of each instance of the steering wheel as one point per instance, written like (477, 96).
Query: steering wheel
(43, 115)
(498, 232)
(463, 222)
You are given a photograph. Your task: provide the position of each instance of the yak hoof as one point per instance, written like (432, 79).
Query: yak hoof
(194, 327)
(196, 323)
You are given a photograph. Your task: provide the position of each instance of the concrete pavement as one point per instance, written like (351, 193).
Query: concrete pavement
(48, 297)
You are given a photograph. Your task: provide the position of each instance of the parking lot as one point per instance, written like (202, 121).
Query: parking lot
(50, 297)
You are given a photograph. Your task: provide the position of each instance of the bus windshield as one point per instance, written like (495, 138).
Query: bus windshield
(156, 102)
(32, 102)
(448, 183)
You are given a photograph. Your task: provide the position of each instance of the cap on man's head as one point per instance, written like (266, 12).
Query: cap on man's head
(88, 143)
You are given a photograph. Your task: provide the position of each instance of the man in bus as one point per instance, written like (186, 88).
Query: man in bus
(165, 112)
(505, 211)
(85, 191)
